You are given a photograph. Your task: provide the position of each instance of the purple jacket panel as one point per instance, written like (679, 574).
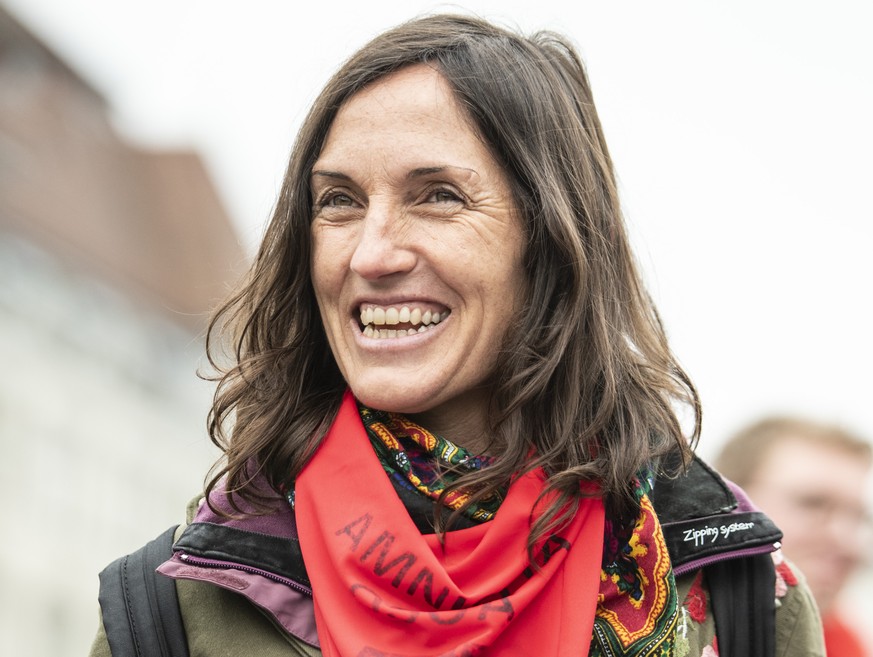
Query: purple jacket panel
(277, 520)
(291, 609)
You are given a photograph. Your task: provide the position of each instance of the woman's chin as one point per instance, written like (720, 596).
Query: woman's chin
(393, 398)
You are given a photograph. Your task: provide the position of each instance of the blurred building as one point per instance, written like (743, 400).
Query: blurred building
(110, 259)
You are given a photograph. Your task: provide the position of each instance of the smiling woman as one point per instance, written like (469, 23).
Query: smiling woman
(413, 212)
(450, 426)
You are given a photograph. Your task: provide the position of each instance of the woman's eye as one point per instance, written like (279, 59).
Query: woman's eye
(338, 201)
(334, 199)
(443, 196)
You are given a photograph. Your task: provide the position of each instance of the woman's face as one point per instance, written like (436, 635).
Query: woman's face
(417, 251)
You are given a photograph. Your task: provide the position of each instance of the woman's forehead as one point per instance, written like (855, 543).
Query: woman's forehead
(411, 119)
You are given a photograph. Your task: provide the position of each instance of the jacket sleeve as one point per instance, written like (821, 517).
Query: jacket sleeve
(100, 646)
(798, 625)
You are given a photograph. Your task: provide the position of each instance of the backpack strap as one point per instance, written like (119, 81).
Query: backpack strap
(140, 607)
(743, 597)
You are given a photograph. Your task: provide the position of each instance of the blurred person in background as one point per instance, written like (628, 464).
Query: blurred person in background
(812, 479)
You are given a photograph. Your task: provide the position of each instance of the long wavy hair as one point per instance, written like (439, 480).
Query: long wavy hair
(585, 382)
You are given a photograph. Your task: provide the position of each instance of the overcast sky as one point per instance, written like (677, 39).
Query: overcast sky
(740, 131)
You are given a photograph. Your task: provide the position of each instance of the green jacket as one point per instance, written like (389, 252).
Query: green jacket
(219, 620)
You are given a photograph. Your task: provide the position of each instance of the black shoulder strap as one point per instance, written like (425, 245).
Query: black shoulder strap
(140, 608)
(743, 597)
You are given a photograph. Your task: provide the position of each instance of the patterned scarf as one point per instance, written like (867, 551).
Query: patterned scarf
(422, 461)
(637, 602)
(637, 608)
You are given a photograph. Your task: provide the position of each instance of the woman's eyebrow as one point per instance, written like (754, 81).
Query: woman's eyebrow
(418, 172)
(331, 174)
(427, 171)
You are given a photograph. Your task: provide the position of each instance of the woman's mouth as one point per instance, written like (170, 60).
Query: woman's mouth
(397, 321)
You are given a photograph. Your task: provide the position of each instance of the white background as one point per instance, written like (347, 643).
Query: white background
(740, 131)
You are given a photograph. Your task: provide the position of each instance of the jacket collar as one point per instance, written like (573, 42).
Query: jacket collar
(697, 492)
(704, 518)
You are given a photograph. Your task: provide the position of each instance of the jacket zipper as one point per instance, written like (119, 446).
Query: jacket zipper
(227, 565)
(696, 564)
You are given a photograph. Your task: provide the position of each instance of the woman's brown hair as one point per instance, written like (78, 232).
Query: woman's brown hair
(585, 380)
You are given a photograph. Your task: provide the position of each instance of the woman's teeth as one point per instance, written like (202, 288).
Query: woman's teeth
(385, 322)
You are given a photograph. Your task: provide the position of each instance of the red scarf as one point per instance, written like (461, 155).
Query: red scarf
(382, 589)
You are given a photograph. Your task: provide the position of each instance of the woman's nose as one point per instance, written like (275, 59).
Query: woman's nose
(384, 244)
